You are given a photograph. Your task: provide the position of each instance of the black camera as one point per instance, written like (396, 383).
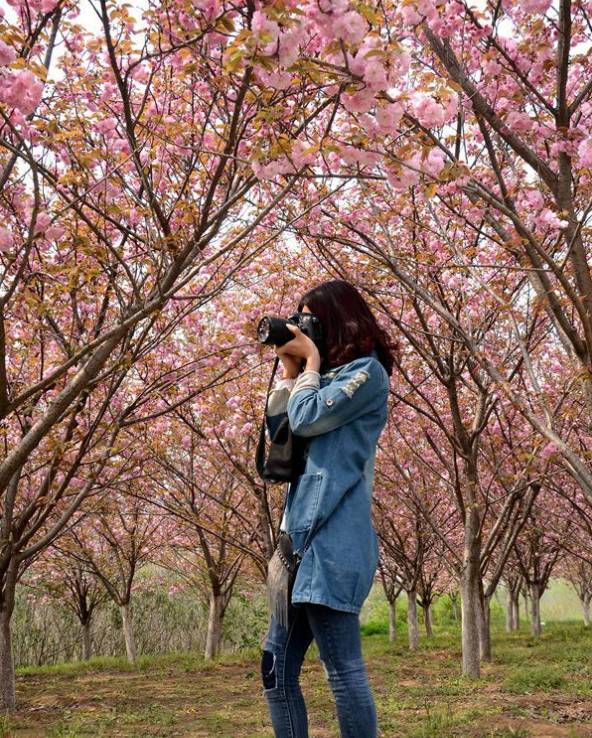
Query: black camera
(275, 332)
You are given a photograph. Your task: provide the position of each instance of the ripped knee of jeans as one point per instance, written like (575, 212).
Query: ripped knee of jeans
(268, 672)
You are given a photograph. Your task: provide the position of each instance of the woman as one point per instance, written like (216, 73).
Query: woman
(339, 402)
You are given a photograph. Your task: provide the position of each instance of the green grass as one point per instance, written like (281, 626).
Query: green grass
(535, 688)
(534, 679)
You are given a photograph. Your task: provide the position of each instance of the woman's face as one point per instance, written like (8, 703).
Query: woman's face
(306, 309)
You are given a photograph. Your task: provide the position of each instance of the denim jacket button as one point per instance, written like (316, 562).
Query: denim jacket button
(329, 402)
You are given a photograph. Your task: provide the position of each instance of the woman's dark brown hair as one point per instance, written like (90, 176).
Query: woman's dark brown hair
(350, 329)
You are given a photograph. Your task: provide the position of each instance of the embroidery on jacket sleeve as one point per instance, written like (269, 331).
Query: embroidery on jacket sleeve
(355, 382)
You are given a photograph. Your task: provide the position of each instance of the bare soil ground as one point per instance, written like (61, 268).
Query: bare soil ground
(533, 688)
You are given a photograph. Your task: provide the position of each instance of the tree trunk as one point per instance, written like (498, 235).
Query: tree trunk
(485, 629)
(393, 620)
(510, 611)
(7, 680)
(412, 629)
(516, 615)
(469, 592)
(427, 616)
(128, 632)
(535, 603)
(86, 641)
(7, 685)
(214, 633)
(586, 610)
(454, 605)
(526, 603)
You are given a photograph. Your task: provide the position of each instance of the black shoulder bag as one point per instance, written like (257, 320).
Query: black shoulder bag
(284, 462)
(285, 459)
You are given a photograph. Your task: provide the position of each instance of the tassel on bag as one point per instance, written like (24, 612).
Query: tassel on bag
(281, 573)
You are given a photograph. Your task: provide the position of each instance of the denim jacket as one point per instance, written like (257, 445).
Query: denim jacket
(328, 508)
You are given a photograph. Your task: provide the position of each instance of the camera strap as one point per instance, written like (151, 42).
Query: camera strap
(260, 454)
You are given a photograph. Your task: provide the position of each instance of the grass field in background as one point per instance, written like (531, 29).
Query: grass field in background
(558, 604)
(535, 688)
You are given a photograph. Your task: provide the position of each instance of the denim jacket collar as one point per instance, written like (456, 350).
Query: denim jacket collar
(332, 371)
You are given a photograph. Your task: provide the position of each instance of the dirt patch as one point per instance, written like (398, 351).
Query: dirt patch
(543, 728)
(416, 694)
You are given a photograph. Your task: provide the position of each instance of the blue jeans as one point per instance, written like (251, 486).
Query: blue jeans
(337, 635)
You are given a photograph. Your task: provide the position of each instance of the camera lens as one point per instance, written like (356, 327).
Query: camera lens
(263, 329)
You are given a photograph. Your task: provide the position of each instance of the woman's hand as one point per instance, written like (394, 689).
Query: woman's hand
(300, 347)
(290, 363)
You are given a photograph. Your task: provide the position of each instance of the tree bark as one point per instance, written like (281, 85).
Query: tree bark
(485, 630)
(393, 621)
(412, 629)
(128, 632)
(586, 611)
(510, 611)
(453, 596)
(526, 603)
(535, 603)
(214, 633)
(7, 676)
(7, 685)
(469, 592)
(427, 616)
(516, 614)
(86, 641)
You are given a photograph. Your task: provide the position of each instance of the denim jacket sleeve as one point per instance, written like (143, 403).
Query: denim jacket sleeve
(313, 409)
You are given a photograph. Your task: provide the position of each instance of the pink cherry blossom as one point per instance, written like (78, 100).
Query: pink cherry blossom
(278, 80)
(535, 6)
(42, 222)
(54, 233)
(410, 15)
(492, 67)
(7, 54)
(407, 176)
(547, 218)
(351, 27)
(6, 240)
(519, 121)
(301, 154)
(334, 6)
(548, 450)
(585, 152)
(23, 92)
(399, 66)
(188, 22)
(428, 112)
(210, 8)
(375, 76)
(360, 102)
(533, 199)
(434, 162)
(389, 117)
(261, 25)
(289, 47)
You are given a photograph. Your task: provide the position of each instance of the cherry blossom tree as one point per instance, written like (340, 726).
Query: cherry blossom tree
(119, 223)
(209, 509)
(579, 573)
(537, 554)
(118, 538)
(68, 581)
(392, 587)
